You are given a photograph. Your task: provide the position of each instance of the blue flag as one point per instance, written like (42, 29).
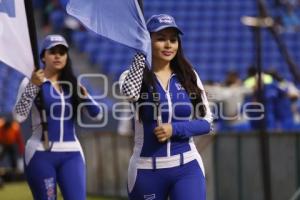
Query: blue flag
(118, 20)
(8, 7)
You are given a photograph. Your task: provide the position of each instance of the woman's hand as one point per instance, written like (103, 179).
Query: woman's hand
(37, 77)
(163, 132)
(83, 91)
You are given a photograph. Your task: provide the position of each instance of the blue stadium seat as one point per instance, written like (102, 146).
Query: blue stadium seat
(57, 19)
(92, 49)
(79, 38)
(214, 39)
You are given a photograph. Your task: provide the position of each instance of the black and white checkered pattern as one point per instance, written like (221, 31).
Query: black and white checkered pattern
(24, 104)
(133, 81)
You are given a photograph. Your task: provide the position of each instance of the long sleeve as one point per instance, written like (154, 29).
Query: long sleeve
(196, 126)
(131, 80)
(190, 128)
(93, 108)
(26, 95)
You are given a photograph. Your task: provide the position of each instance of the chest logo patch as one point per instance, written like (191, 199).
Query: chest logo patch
(179, 86)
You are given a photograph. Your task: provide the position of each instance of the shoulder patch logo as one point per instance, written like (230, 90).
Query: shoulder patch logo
(179, 86)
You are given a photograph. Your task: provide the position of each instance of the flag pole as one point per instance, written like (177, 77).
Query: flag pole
(32, 32)
(35, 53)
(141, 3)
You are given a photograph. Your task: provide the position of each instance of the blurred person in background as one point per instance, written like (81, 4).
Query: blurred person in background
(232, 97)
(165, 162)
(287, 95)
(10, 138)
(277, 98)
(63, 161)
(11, 147)
(264, 117)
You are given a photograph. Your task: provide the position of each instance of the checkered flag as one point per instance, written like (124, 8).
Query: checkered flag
(24, 104)
(133, 81)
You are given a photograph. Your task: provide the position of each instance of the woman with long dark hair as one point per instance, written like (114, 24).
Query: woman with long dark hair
(171, 107)
(51, 93)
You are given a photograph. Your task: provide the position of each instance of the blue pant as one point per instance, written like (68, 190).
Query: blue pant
(185, 182)
(46, 169)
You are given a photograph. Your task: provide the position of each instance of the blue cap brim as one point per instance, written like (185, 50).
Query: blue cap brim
(57, 43)
(167, 26)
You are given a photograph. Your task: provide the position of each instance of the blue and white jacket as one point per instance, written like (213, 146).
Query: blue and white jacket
(59, 115)
(175, 109)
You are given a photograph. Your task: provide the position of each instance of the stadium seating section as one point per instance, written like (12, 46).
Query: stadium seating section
(214, 40)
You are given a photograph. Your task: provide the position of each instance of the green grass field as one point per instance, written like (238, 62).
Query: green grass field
(20, 190)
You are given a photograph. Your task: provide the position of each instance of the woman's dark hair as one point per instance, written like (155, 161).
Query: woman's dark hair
(186, 76)
(68, 76)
